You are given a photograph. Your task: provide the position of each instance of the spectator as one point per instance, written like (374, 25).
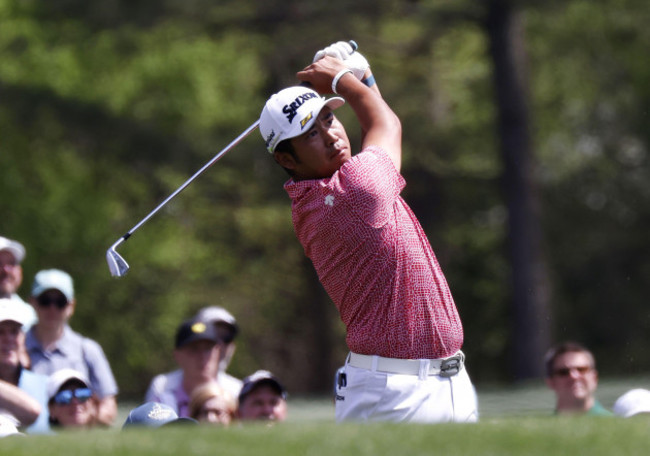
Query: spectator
(227, 330)
(12, 254)
(23, 394)
(154, 415)
(52, 345)
(197, 353)
(71, 401)
(210, 403)
(634, 402)
(262, 397)
(571, 373)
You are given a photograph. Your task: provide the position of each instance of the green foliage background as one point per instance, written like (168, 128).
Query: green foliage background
(107, 108)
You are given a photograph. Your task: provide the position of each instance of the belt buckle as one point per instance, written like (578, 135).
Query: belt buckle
(450, 366)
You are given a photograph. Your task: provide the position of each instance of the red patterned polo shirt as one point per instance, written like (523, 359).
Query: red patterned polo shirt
(375, 261)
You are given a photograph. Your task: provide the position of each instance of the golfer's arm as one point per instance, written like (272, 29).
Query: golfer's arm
(380, 126)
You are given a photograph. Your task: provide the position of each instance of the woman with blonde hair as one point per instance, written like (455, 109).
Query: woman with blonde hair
(210, 403)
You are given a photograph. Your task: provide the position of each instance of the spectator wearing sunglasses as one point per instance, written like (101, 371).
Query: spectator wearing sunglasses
(227, 331)
(571, 373)
(70, 403)
(23, 396)
(52, 345)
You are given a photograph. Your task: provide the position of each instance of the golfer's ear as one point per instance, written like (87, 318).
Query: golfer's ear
(285, 159)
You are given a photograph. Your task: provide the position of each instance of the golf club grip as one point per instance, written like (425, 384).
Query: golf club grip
(354, 46)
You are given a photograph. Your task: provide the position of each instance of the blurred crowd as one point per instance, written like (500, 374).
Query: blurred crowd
(52, 377)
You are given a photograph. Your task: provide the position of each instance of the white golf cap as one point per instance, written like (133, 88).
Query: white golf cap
(11, 310)
(61, 377)
(291, 112)
(632, 403)
(14, 247)
(53, 279)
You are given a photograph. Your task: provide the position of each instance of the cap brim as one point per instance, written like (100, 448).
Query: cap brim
(332, 103)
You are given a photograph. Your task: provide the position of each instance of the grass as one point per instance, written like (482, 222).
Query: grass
(498, 436)
(514, 421)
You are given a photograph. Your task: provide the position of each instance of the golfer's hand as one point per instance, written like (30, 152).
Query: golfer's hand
(320, 73)
(352, 59)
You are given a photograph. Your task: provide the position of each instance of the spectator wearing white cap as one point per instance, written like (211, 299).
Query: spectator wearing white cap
(262, 398)
(52, 345)
(12, 254)
(633, 403)
(227, 331)
(70, 400)
(22, 393)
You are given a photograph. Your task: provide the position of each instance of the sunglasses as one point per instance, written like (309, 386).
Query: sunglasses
(65, 397)
(45, 301)
(566, 371)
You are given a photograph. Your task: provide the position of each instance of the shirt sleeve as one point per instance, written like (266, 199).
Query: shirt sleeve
(99, 371)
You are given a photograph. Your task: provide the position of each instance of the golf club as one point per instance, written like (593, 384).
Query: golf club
(118, 265)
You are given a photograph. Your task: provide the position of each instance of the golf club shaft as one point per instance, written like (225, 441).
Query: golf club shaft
(236, 141)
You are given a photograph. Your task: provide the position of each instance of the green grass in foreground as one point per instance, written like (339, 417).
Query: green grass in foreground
(514, 421)
(499, 436)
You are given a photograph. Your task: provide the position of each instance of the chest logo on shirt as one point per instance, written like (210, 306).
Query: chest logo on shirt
(329, 200)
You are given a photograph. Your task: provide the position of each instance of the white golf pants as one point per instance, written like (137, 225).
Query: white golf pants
(367, 394)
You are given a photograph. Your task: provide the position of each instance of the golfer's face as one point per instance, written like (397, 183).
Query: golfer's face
(323, 149)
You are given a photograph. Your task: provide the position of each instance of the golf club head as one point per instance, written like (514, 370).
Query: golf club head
(116, 264)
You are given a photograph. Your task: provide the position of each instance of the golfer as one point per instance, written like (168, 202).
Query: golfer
(370, 252)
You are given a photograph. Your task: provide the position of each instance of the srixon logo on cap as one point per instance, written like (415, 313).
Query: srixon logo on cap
(291, 108)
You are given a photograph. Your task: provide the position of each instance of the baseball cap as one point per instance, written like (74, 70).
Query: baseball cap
(14, 247)
(216, 314)
(61, 377)
(291, 112)
(11, 310)
(53, 279)
(632, 403)
(195, 329)
(154, 414)
(258, 378)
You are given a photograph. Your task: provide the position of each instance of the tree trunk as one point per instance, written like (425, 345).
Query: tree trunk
(530, 299)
